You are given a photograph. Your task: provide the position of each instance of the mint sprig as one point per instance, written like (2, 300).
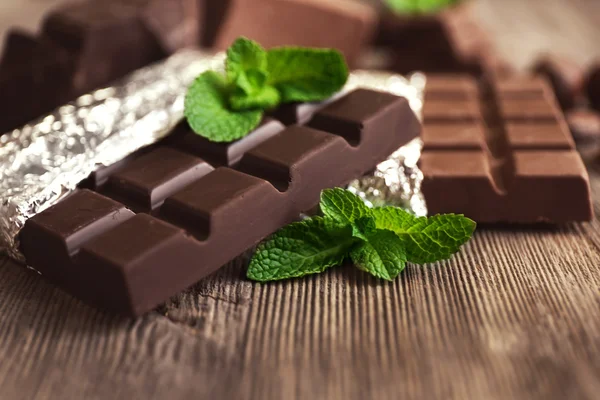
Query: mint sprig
(419, 6)
(257, 80)
(379, 241)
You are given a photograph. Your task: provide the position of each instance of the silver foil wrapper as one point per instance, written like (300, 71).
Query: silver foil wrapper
(43, 162)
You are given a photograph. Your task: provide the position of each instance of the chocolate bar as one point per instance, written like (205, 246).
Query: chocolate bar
(565, 76)
(339, 24)
(446, 41)
(512, 160)
(106, 40)
(166, 218)
(35, 76)
(86, 45)
(592, 86)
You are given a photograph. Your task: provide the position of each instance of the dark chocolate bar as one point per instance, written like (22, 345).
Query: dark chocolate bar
(35, 77)
(513, 161)
(86, 45)
(105, 250)
(106, 39)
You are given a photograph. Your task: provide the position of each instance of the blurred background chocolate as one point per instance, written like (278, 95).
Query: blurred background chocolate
(344, 25)
(565, 76)
(584, 125)
(592, 86)
(449, 40)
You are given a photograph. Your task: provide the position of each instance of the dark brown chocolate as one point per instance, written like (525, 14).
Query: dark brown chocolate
(516, 162)
(107, 40)
(86, 45)
(100, 251)
(35, 76)
(227, 154)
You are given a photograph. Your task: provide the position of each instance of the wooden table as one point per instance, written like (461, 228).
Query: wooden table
(515, 315)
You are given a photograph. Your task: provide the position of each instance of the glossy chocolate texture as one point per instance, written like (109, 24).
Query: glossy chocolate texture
(514, 161)
(226, 154)
(165, 219)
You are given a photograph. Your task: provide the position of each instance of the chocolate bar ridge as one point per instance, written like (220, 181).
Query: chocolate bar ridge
(502, 153)
(99, 250)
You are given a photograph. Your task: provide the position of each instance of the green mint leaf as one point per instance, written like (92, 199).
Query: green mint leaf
(266, 98)
(426, 239)
(301, 248)
(246, 65)
(418, 6)
(250, 82)
(382, 255)
(305, 74)
(363, 227)
(343, 206)
(208, 114)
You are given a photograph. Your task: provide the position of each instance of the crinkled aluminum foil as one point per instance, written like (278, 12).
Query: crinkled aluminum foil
(44, 161)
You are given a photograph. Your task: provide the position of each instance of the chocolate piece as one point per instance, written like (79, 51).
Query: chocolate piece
(296, 113)
(214, 14)
(584, 125)
(105, 255)
(565, 76)
(592, 86)
(107, 40)
(227, 154)
(174, 23)
(362, 111)
(446, 41)
(34, 78)
(507, 165)
(344, 25)
(450, 87)
(146, 182)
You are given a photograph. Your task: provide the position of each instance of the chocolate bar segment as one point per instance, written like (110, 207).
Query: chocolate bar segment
(516, 165)
(58, 233)
(138, 262)
(146, 182)
(361, 113)
(227, 154)
(202, 218)
(222, 201)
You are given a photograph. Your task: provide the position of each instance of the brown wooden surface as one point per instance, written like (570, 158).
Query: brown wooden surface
(515, 315)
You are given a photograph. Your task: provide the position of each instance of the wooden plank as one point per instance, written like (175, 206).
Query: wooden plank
(515, 315)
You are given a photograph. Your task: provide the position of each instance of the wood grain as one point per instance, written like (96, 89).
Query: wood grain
(515, 315)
